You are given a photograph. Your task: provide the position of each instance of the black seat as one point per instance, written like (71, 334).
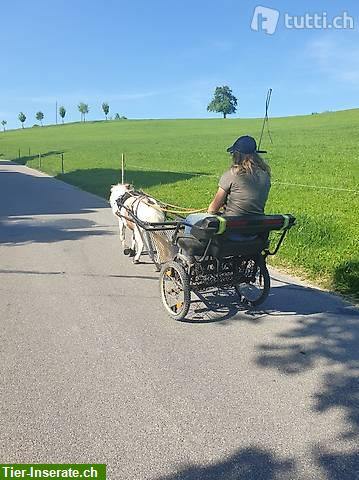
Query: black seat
(222, 247)
(243, 225)
(232, 241)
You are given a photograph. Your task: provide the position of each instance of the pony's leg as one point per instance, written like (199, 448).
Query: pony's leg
(138, 243)
(121, 226)
(126, 250)
(133, 244)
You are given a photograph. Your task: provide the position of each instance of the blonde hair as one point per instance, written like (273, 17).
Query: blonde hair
(248, 163)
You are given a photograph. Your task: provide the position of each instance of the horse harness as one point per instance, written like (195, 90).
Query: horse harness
(139, 196)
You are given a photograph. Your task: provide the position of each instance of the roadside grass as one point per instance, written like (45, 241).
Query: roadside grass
(179, 161)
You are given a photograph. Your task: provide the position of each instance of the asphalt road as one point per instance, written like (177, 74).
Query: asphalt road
(92, 369)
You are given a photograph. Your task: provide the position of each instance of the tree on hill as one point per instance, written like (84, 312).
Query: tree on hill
(106, 109)
(39, 116)
(223, 101)
(62, 113)
(22, 118)
(84, 110)
(120, 117)
(3, 123)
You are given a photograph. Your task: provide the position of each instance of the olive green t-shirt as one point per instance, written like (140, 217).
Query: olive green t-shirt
(246, 194)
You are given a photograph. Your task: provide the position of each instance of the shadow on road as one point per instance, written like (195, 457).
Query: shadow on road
(22, 194)
(255, 463)
(96, 275)
(323, 330)
(248, 464)
(284, 300)
(31, 230)
(25, 199)
(338, 466)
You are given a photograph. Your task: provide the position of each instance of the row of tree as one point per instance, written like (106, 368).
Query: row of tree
(83, 108)
(223, 102)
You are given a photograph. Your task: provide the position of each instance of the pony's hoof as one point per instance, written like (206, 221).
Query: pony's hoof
(136, 262)
(132, 253)
(127, 251)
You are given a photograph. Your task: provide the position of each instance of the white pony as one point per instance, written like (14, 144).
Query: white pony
(145, 208)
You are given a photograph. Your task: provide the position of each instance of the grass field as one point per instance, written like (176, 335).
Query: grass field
(314, 161)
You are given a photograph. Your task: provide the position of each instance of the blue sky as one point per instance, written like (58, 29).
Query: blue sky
(163, 59)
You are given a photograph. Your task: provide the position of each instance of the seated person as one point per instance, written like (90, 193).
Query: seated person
(244, 188)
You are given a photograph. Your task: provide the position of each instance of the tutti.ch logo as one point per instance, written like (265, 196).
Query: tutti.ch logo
(265, 20)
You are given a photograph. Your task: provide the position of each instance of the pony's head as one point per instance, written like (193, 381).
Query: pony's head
(119, 190)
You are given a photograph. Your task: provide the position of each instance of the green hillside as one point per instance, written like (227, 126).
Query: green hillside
(314, 161)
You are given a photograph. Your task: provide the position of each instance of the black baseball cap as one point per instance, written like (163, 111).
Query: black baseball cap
(246, 145)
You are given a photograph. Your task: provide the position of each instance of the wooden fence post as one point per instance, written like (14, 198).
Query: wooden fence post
(123, 168)
(39, 160)
(62, 163)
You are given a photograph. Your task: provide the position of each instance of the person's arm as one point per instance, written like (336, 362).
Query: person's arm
(218, 201)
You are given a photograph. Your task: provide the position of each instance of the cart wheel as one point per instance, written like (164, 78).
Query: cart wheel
(255, 289)
(175, 290)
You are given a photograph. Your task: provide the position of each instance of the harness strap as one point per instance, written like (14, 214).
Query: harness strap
(135, 206)
(122, 199)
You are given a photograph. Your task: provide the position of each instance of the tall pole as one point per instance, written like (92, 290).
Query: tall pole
(265, 120)
(56, 113)
(123, 168)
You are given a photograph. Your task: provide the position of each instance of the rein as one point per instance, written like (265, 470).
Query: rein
(160, 206)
